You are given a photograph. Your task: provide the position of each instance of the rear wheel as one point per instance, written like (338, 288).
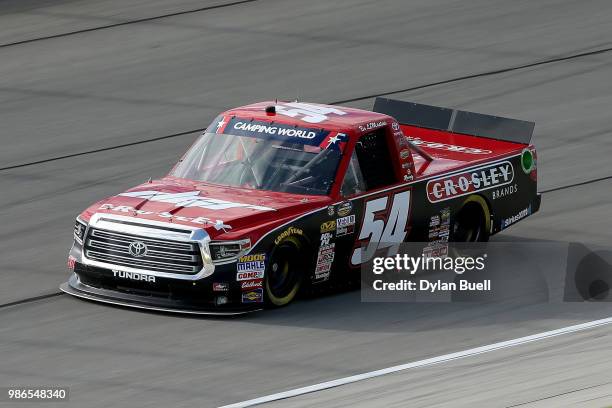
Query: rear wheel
(472, 222)
(284, 273)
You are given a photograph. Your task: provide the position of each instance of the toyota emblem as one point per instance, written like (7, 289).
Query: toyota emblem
(138, 249)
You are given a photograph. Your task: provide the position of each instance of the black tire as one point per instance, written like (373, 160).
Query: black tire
(284, 273)
(472, 222)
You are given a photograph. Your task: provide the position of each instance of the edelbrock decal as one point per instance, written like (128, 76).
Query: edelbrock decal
(470, 181)
(191, 199)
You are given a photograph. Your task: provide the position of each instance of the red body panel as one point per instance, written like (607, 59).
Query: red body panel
(240, 219)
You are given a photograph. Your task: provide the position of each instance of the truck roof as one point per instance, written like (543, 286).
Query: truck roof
(313, 115)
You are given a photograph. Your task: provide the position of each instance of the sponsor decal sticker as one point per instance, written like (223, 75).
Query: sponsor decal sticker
(326, 238)
(467, 182)
(404, 154)
(287, 233)
(243, 276)
(515, 218)
(345, 225)
(504, 191)
(257, 128)
(254, 263)
(395, 126)
(439, 226)
(331, 211)
(251, 284)
(253, 296)
(220, 286)
(344, 208)
(325, 259)
(328, 226)
(448, 147)
(434, 221)
(372, 125)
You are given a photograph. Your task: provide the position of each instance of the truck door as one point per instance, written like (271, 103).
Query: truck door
(381, 206)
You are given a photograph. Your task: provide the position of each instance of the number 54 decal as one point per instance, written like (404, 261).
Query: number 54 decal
(382, 227)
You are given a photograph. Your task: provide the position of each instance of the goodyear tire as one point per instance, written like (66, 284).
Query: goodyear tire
(284, 273)
(473, 221)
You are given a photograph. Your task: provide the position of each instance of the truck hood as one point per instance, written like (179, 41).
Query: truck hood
(217, 209)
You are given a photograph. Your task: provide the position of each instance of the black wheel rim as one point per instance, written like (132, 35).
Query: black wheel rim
(468, 227)
(283, 274)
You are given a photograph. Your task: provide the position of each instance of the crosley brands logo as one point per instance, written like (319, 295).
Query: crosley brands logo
(467, 182)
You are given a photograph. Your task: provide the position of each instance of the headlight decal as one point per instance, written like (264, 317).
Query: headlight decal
(228, 251)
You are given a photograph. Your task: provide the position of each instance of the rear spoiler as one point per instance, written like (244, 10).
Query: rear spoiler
(456, 121)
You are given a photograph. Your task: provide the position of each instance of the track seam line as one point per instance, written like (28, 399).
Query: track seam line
(480, 75)
(558, 395)
(420, 363)
(581, 183)
(103, 149)
(31, 299)
(128, 22)
(457, 79)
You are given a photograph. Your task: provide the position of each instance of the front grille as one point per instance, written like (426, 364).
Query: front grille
(161, 255)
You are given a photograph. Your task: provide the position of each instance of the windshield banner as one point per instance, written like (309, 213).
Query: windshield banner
(278, 131)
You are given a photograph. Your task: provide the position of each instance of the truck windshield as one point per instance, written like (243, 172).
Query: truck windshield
(260, 163)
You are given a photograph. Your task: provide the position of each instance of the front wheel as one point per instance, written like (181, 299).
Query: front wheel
(284, 274)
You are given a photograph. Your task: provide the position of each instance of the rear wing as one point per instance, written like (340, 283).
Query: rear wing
(456, 121)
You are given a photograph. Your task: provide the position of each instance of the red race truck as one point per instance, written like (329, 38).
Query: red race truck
(275, 197)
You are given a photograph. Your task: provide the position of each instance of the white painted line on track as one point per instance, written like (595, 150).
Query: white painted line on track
(421, 363)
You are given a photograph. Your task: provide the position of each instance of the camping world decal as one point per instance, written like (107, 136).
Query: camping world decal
(470, 181)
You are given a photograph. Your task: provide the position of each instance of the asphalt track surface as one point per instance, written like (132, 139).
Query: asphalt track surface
(96, 96)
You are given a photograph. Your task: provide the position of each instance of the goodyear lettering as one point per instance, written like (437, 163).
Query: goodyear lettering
(287, 233)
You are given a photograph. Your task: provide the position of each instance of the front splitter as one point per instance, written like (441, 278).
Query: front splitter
(75, 288)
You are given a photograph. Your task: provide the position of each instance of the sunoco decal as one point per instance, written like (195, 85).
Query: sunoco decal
(471, 181)
(253, 296)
